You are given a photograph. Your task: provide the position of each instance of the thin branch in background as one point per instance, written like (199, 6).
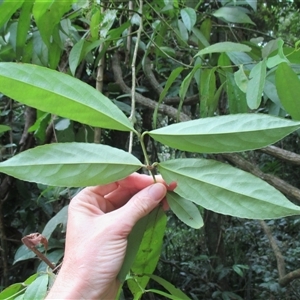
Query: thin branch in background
(278, 255)
(133, 85)
(99, 84)
(129, 39)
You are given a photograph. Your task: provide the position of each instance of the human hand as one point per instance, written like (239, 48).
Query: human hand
(99, 221)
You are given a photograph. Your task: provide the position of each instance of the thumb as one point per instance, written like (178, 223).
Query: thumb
(142, 203)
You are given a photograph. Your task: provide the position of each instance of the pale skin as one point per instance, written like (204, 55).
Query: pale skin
(99, 221)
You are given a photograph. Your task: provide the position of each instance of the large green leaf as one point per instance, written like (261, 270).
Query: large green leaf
(224, 189)
(71, 164)
(256, 85)
(224, 47)
(185, 210)
(60, 94)
(288, 89)
(189, 17)
(149, 251)
(230, 133)
(4, 128)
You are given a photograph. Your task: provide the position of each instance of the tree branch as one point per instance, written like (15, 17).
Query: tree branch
(282, 154)
(164, 109)
(275, 248)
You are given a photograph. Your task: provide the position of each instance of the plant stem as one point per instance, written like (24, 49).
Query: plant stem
(141, 138)
(136, 48)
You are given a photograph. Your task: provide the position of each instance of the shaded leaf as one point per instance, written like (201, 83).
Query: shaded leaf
(207, 92)
(224, 47)
(256, 85)
(232, 15)
(241, 79)
(4, 128)
(189, 17)
(236, 98)
(23, 253)
(71, 164)
(185, 210)
(38, 289)
(224, 189)
(62, 95)
(232, 133)
(288, 89)
(60, 218)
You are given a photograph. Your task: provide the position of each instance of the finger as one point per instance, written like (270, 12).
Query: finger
(142, 204)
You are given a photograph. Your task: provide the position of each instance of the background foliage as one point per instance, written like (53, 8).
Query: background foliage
(94, 41)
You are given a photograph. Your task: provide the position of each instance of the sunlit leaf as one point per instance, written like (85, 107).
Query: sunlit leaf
(227, 190)
(256, 85)
(224, 47)
(288, 89)
(169, 287)
(71, 164)
(185, 210)
(23, 26)
(7, 8)
(149, 250)
(229, 133)
(60, 94)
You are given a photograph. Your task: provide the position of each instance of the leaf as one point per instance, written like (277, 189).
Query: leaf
(133, 243)
(288, 89)
(236, 98)
(174, 74)
(226, 190)
(189, 17)
(47, 15)
(169, 287)
(224, 47)
(12, 291)
(200, 36)
(60, 218)
(149, 250)
(207, 92)
(279, 57)
(23, 253)
(256, 85)
(232, 133)
(7, 8)
(232, 15)
(241, 79)
(185, 210)
(76, 55)
(62, 95)
(4, 128)
(253, 4)
(23, 27)
(183, 33)
(38, 289)
(71, 164)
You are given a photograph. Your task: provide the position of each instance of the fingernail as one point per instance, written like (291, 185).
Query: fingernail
(157, 191)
